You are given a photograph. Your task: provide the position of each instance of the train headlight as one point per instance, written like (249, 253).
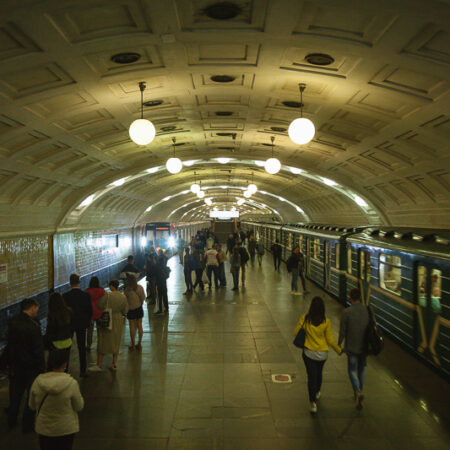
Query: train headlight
(171, 242)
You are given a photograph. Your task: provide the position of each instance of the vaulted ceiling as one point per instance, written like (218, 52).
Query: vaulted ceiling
(379, 106)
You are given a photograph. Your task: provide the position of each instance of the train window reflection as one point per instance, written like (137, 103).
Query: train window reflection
(422, 285)
(435, 295)
(349, 259)
(362, 264)
(316, 249)
(336, 247)
(391, 273)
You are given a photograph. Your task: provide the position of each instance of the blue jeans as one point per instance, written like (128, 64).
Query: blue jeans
(235, 276)
(356, 370)
(294, 282)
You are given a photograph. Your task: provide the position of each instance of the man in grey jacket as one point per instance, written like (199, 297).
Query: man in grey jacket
(354, 323)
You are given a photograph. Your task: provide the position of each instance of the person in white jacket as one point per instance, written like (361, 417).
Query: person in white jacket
(56, 398)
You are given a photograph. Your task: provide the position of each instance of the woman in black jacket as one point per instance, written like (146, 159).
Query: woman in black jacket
(59, 324)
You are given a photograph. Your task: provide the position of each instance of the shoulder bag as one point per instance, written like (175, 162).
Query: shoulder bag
(105, 320)
(299, 340)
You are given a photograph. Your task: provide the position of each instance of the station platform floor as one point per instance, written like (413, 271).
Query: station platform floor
(203, 380)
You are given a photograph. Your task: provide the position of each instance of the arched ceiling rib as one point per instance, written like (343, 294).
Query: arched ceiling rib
(380, 108)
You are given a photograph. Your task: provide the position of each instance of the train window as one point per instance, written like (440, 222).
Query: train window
(336, 251)
(435, 297)
(362, 264)
(422, 285)
(391, 273)
(316, 248)
(300, 243)
(349, 259)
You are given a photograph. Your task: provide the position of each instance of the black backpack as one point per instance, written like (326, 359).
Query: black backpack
(374, 339)
(244, 255)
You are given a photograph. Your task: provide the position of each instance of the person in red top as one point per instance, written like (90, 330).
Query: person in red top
(96, 292)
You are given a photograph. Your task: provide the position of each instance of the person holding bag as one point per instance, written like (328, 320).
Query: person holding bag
(110, 331)
(56, 398)
(318, 337)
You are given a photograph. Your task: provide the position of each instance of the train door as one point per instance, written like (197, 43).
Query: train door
(308, 257)
(364, 275)
(428, 301)
(326, 265)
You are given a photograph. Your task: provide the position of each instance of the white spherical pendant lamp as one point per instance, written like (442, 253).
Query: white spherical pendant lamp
(272, 166)
(195, 188)
(301, 130)
(142, 131)
(252, 188)
(200, 194)
(247, 194)
(174, 165)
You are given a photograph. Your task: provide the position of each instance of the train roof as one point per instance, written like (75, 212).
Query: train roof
(425, 241)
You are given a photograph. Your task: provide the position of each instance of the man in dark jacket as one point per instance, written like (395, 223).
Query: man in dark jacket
(80, 303)
(162, 273)
(276, 250)
(243, 253)
(150, 269)
(25, 360)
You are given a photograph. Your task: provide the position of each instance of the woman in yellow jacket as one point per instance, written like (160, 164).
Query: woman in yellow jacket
(319, 337)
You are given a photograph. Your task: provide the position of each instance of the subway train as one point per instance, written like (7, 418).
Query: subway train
(404, 274)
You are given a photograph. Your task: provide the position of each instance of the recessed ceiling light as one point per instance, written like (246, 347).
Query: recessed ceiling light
(125, 58)
(152, 103)
(222, 11)
(319, 59)
(291, 104)
(222, 78)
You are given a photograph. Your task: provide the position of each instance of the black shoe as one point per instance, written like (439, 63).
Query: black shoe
(235, 289)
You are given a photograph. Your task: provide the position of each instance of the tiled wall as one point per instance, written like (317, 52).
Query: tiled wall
(37, 264)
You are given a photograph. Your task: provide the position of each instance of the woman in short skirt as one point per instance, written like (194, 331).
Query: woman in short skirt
(135, 296)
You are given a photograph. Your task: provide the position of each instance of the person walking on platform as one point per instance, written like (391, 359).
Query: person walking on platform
(58, 334)
(199, 264)
(212, 266)
(109, 339)
(135, 297)
(319, 337)
(354, 323)
(276, 251)
(293, 267)
(162, 273)
(260, 250)
(235, 266)
(56, 398)
(222, 257)
(80, 304)
(96, 292)
(244, 259)
(231, 242)
(150, 270)
(188, 267)
(252, 248)
(24, 358)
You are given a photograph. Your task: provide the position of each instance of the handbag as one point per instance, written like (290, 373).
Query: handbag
(299, 340)
(374, 339)
(105, 321)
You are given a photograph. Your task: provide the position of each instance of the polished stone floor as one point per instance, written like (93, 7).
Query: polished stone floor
(204, 381)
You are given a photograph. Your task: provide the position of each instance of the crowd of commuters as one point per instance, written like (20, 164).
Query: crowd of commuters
(54, 398)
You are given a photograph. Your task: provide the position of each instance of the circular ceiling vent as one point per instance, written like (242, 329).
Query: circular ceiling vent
(152, 103)
(125, 58)
(222, 11)
(224, 113)
(319, 59)
(278, 129)
(290, 104)
(222, 78)
(168, 128)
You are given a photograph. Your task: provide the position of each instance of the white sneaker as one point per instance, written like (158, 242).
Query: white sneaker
(95, 369)
(318, 395)
(313, 408)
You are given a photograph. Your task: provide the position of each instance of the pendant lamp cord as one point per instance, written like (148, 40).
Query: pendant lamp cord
(272, 138)
(174, 139)
(302, 87)
(142, 88)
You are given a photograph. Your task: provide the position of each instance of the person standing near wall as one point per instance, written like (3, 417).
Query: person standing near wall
(56, 398)
(96, 292)
(80, 304)
(276, 251)
(24, 355)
